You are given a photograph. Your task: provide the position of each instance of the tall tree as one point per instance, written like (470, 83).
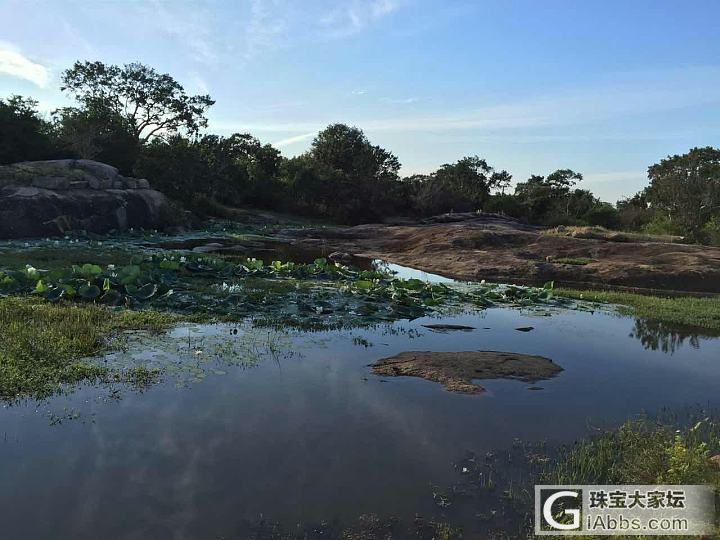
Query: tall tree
(24, 134)
(152, 104)
(686, 188)
(355, 179)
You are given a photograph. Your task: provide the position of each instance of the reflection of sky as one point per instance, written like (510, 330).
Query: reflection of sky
(309, 437)
(404, 272)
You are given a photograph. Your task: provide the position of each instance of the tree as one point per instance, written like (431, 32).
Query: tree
(346, 149)
(354, 179)
(152, 104)
(549, 199)
(96, 133)
(686, 188)
(24, 134)
(563, 179)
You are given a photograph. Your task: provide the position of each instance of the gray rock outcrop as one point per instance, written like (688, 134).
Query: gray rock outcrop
(47, 198)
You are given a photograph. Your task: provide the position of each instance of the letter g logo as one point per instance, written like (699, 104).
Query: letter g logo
(550, 519)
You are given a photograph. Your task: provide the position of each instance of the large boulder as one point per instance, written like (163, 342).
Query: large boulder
(47, 198)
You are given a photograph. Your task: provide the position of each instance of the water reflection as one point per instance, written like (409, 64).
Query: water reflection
(667, 337)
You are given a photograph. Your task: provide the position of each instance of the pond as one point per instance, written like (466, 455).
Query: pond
(293, 427)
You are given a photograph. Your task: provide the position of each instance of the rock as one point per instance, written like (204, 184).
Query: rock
(456, 371)
(501, 250)
(143, 184)
(51, 182)
(448, 327)
(47, 198)
(208, 248)
(340, 257)
(525, 329)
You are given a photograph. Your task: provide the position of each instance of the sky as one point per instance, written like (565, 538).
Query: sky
(603, 87)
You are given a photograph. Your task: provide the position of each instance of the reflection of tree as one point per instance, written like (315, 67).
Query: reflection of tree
(667, 337)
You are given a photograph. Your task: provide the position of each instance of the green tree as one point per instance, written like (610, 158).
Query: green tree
(150, 103)
(96, 133)
(686, 188)
(352, 179)
(24, 134)
(462, 186)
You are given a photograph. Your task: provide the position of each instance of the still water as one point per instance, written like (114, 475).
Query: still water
(294, 427)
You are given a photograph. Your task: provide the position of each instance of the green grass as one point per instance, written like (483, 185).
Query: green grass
(644, 451)
(683, 310)
(43, 345)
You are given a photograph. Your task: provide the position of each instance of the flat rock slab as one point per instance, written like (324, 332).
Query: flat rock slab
(449, 327)
(456, 371)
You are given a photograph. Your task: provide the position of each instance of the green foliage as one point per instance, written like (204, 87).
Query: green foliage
(602, 214)
(710, 233)
(236, 170)
(24, 134)
(345, 177)
(684, 310)
(642, 452)
(460, 187)
(662, 224)
(316, 295)
(150, 103)
(96, 132)
(43, 345)
(686, 189)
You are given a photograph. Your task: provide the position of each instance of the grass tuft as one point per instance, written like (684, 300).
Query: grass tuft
(43, 345)
(683, 310)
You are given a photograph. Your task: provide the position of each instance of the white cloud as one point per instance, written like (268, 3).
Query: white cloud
(401, 101)
(16, 65)
(267, 26)
(294, 140)
(351, 17)
(199, 83)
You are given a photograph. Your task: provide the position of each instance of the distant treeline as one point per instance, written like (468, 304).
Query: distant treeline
(145, 124)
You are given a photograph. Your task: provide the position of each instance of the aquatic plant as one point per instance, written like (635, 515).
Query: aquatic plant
(44, 346)
(287, 292)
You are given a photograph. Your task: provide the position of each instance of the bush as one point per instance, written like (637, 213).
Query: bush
(603, 215)
(710, 233)
(663, 225)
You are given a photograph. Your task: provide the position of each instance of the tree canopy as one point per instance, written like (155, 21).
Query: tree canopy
(686, 188)
(24, 135)
(151, 103)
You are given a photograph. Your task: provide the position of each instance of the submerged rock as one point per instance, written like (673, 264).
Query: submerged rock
(448, 327)
(47, 198)
(456, 371)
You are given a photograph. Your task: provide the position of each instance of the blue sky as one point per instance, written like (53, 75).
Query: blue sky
(603, 87)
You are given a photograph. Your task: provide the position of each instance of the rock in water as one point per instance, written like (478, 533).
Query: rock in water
(449, 327)
(456, 371)
(48, 198)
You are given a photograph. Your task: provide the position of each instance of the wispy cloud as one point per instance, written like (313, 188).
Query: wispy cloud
(199, 83)
(13, 63)
(352, 17)
(267, 27)
(401, 101)
(191, 27)
(294, 140)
